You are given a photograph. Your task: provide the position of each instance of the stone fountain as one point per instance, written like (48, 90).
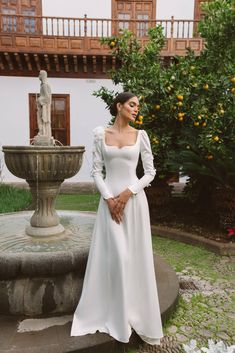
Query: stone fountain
(39, 276)
(44, 166)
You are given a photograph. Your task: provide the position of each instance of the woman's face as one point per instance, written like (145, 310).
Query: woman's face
(129, 109)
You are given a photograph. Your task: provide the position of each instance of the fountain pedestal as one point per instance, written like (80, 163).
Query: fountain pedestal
(45, 220)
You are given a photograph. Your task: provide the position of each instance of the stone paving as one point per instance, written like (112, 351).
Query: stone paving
(206, 310)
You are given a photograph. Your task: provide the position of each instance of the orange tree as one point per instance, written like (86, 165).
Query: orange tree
(206, 151)
(187, 107)
(141, 71)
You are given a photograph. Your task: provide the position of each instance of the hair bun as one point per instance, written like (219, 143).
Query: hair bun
(120, 98)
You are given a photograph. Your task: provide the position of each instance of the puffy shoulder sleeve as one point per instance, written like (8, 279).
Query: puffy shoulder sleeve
(147, 161)
(98, 162)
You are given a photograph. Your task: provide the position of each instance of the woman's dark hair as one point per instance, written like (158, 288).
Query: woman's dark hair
(121, 98)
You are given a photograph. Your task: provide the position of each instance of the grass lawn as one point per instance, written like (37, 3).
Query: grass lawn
(13, 199)
(75, 202)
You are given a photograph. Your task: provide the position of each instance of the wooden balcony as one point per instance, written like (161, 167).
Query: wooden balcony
(70, 47)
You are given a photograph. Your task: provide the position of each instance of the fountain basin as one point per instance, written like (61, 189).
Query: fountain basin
(44, 168)
(41, 276)
(43, 163)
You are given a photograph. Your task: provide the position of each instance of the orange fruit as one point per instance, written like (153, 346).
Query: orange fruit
(179, 104)
(155, 141)
(180, 97)
(216, 138)
(157, 106)
(210, 156)
(233, 79)
(204, 124)
(206, 87)
(196, 123)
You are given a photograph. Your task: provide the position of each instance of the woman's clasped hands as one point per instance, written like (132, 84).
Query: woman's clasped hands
(117, 205)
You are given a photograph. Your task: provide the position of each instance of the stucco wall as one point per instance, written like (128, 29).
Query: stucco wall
(86, 112)
(77, 8)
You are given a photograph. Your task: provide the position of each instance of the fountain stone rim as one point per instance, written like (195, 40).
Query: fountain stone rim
(37, 264)
(42, 149)
(25, 264)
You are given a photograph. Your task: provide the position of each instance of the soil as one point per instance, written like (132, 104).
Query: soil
(179, 213)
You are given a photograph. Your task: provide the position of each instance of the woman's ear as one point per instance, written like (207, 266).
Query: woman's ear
(119, 106)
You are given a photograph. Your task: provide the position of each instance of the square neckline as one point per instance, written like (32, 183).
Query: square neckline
(137, 138)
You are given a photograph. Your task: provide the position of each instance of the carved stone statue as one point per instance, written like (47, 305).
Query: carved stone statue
(44, 106)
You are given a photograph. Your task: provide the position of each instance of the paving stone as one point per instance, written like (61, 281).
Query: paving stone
(172, 329)
(223, 335)
(224, 259)
(223, 327)
(181, 338)
(218, 310)
(231, 315)
(196, 278)
(206, 333)
(186, 328)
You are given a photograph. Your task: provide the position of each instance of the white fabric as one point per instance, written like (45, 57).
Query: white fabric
(147, 160)
(119, 290)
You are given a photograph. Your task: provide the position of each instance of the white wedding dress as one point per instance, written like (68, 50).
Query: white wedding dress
(119, 290)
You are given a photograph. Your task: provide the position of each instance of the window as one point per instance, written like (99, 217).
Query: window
(142, 27)
(29, 22)
(133, 15)
(60, 117)
(123, 24)
(9, 21)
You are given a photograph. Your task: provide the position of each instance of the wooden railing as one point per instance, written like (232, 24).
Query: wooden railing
(90, 27)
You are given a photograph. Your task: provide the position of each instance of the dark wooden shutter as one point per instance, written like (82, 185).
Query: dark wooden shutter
(60, 117)
(138, 10)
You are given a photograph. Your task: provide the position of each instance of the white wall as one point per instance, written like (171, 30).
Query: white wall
(77, 8)
(86, 112)
(102, 8)
(180, 9)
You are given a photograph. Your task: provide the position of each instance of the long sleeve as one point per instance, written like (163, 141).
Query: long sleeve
(98, 163)
(147, 161)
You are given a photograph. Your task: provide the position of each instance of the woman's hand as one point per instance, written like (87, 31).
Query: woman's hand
(115, 214)
(121, 201)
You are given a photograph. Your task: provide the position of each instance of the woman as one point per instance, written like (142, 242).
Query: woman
(119, 289)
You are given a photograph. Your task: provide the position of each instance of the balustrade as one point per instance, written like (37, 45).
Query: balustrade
(93, 27)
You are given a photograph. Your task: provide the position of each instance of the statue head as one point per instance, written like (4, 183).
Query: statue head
(42, 75)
